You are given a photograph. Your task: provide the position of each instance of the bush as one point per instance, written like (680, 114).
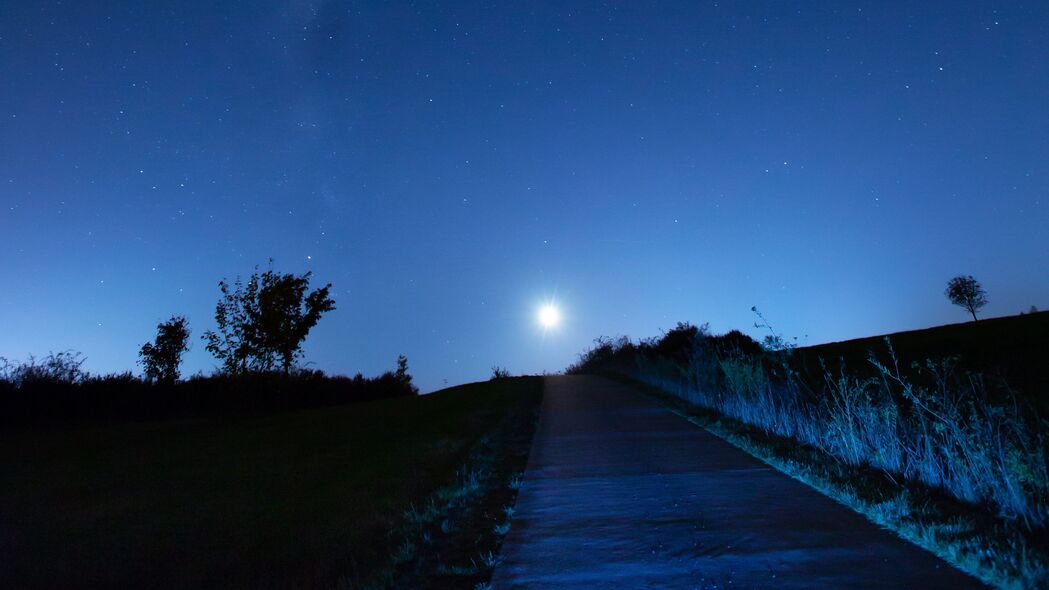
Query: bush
(56, 391)
(62, 368)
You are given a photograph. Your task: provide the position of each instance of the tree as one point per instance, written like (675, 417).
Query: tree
(262, 324)
(402, 375)
(162, 358)
(965, 291)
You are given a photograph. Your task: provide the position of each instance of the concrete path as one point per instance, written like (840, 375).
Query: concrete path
(622, 493)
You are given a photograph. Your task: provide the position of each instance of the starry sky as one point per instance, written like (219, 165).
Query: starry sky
(451, 167)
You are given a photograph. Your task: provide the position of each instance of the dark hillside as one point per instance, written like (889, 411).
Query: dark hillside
(312, 498)
(1012, 349)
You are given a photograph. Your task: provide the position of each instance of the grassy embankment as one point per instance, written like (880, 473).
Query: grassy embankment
(1011, 350)
(405, 491)
(950, 454)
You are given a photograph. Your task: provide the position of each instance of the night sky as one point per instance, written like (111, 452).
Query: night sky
(450, 168)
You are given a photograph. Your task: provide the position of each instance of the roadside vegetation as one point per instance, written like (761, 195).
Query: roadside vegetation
(952, 458)
(405, 492)
(54, 391)
(261, 325)
(453, 540)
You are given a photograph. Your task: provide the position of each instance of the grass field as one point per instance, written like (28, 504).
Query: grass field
(310, 498)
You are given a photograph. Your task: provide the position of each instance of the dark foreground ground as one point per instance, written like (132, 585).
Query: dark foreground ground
(621, 492)
(296, 499)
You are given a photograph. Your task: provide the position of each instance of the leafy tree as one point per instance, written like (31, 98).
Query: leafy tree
(162, 358)
(262, 324)
(965, 291)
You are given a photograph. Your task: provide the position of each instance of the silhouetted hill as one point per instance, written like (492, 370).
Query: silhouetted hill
(1014, 349)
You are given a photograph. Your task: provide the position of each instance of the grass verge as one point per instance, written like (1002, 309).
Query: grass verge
(453, 538)
(1002, 553)
(307, 499)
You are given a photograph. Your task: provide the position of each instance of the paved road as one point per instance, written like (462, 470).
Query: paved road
(622, 493)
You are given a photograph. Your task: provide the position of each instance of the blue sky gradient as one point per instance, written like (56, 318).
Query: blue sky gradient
(450, 167)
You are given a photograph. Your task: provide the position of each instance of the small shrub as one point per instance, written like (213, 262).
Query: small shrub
(57, 368)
